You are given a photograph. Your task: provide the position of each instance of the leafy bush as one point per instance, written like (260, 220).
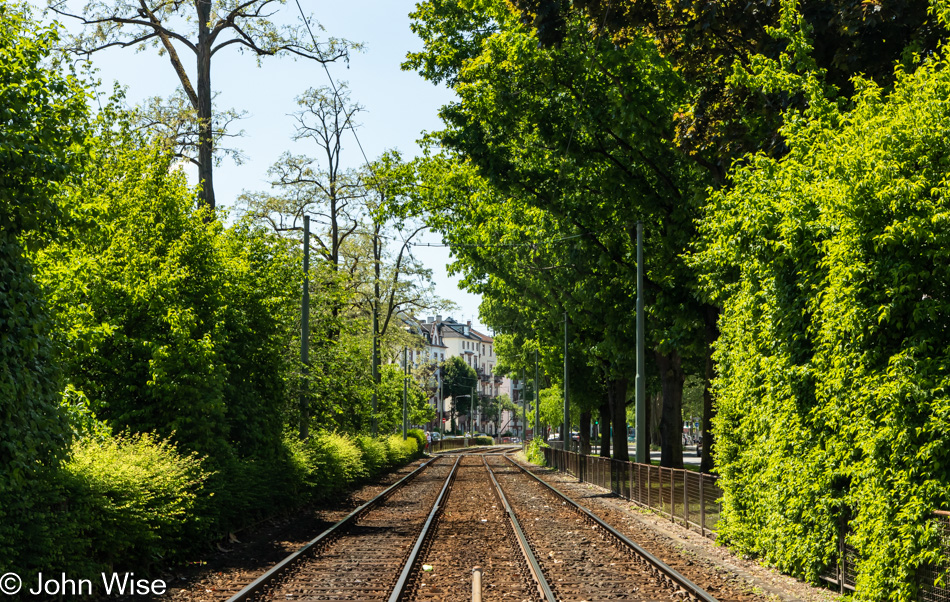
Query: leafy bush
(374, 455)
(420, 437)
(129, 503)
(533, 451)
(330, 462)
(832, 266)
(399, 452)
(483, 441)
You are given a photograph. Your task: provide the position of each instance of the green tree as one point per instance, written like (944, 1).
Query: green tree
(831, 266)
(567, 148)
(44, 121)
(172, 323)
(721, 122)
(458, 381)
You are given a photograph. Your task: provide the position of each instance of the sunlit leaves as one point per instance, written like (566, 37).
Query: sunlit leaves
(832, 268)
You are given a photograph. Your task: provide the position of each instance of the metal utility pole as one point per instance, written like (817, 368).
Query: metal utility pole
(537, 397)
(375, 357)
(566, 424)
(405, 392)
(305, 334)
(524, 408)
(643, 450)
(441, 404)
(474, 410)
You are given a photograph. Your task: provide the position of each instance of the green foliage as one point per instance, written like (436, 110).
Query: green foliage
(420, 437)
(374, 454)
(43, 112)
(458, 381)
(333, 463)
(123, 502)
(483, 441)
(534, 453)
(135, 501)
(552, 406)
(832, 267)
(173, 324)
(399, 451)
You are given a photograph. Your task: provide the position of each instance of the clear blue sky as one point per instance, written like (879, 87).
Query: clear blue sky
(399, 105)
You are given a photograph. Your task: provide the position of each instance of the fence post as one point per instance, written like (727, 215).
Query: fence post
(841, 559)
(702, 505)
(672, 495)
(649, 487)
(686, 497)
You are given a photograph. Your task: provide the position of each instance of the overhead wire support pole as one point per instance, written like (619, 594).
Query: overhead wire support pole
(305, 334)
(405, 393)
(524, 407)
(566, 424)
(375, 360)
(643, 454)
(537, 397)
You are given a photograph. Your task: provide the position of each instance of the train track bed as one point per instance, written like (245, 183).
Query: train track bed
(727, 578)
(363, 561)
(471, 532)
(481, 450)
(579, 562)
(235, 564)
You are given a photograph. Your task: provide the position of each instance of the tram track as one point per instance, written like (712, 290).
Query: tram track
(420, 539)
(362, 556)
(581, 557)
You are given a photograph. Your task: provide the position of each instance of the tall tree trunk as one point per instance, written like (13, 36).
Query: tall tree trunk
(605, 429)
(585, 432)
(617, 394)
(205, 135)
(711, 326)
(671, 422)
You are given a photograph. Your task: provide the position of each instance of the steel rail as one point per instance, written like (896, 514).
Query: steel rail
(400, 589)
(253, 587)
(692, 590)
(533, 566)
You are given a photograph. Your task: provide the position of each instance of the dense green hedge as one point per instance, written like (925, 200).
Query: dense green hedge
(139, 503)
(833, 268)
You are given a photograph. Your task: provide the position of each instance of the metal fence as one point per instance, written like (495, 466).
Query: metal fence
(928, 574)
(686, 497)
(692, 499)
(447, 444)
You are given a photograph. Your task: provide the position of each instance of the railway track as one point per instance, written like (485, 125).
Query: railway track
(362, 557)
(420, 539)
(579, 556)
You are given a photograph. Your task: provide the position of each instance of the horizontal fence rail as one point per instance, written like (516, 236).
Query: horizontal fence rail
(686, 497)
